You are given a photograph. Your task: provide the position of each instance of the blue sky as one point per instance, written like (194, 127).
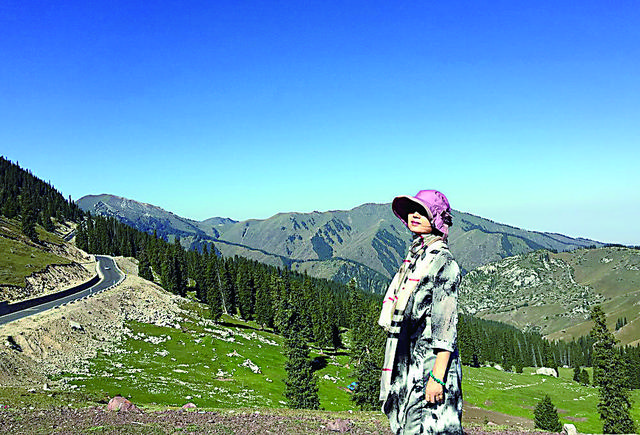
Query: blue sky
(526, 113)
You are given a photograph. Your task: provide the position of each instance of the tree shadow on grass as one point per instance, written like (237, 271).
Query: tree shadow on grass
(318, 363)
(239, 325)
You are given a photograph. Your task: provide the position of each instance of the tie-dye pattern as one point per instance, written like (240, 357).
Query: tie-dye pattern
(428, 325)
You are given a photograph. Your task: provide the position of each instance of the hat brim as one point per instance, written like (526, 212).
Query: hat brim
(403, 205)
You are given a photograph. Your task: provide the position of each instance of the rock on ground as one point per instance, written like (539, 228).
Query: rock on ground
(119, 403)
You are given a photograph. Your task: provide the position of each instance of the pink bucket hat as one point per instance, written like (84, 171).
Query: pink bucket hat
(434, 203)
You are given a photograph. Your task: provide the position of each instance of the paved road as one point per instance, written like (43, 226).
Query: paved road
(111, 276)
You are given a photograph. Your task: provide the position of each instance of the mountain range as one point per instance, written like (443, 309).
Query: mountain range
(367, 242)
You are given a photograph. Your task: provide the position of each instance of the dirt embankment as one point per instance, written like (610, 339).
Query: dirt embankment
(55, 277)
(64, 339)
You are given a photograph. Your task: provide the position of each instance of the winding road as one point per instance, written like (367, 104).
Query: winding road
(108, 271)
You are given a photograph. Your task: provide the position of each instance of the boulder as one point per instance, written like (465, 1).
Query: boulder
(189, 406)
(251, 365)
(569, 429)
(75, 326)
(11, 343)
(339, 425)
(119, 403)
(547, 371)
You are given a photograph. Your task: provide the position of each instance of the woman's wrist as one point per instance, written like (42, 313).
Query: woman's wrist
(435, 378)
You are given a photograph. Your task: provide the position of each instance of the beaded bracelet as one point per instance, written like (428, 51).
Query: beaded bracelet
(432, 376)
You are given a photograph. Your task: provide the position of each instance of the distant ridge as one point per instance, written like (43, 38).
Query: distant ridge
(367, 242)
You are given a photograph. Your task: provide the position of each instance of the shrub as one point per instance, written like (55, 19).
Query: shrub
(546, 416)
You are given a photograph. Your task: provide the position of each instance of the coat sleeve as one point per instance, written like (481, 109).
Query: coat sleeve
(444, 306)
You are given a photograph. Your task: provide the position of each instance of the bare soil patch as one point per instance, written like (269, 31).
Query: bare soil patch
(478, 416)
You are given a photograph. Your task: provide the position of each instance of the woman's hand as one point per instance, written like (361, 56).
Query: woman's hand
(434, 392)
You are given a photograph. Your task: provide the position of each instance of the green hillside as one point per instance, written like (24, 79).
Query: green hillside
(20, 257)
(553, 292)
(613, 272)
(31, 216)
(203, 363)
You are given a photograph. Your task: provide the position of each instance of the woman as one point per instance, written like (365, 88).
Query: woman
(421, 377)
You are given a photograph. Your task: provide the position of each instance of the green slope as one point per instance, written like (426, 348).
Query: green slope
(553, 292)
(20, 257)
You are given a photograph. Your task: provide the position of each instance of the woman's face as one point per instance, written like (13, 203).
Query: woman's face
(418, 224)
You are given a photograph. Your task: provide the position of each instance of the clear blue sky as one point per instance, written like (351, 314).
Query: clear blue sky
(526, 113)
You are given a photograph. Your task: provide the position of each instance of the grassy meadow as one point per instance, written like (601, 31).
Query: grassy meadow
(227, 365)
(207, 364)
(517, 395)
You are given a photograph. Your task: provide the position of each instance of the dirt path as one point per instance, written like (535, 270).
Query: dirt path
(478, 416)
(94, 420)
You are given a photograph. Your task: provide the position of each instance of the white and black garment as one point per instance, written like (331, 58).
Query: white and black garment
(421, 322)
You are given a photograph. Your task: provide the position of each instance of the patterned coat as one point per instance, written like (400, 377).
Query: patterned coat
(429, 324)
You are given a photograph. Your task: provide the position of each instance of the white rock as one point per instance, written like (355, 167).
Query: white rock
(547, 371)
(75, 326)
(569, 429)
(251, 365)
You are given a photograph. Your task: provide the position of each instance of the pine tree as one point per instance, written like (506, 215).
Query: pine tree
(214, 282)
(180, 268)
(576, 374)
(10, 207)
(322, 329)
(29, 216)
(144, 268)
(546, 416)
(227, 288)
(368, 358)
(48, 223)
(584, 377)
(548, 356)
(609, 377)
(245, 291)
(264, 303)
(336, 340)
(301, 389)
(282, 307)
(519, 364)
